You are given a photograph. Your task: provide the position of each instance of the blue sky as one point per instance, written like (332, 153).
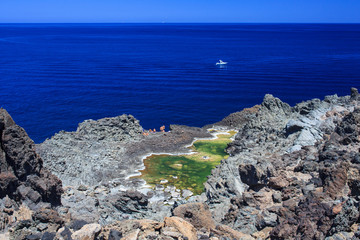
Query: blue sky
(253, 11)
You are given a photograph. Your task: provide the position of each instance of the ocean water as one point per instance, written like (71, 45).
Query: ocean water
(53, 76)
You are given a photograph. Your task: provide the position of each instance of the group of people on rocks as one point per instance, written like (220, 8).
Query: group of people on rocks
(146, 133)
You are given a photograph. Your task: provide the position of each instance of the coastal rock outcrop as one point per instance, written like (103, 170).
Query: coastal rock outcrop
(110, 149)
(24, 182)
(292, 171)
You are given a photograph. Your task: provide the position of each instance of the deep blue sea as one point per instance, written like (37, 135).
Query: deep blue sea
(53, 76)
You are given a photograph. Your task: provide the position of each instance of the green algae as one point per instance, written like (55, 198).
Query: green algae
(187, 171)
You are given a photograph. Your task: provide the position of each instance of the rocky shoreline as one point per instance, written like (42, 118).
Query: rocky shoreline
(293, 173)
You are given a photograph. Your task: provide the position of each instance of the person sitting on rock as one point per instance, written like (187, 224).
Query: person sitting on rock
(162, 128)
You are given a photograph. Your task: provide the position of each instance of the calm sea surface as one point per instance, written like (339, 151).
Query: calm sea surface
(53, 76)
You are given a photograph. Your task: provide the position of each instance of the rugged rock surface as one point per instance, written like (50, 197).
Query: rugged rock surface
(110, 149)
(293, 173)
(293, 170)
(24, 182)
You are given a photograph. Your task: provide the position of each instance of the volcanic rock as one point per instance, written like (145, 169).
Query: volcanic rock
(23, 179)
(304, 157)
(197, 214)
(293, 173)
(110, 149)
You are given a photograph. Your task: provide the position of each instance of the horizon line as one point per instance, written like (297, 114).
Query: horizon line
(179, 22)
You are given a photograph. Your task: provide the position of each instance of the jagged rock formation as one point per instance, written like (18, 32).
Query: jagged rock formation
(109, 149)
(90, 154)
(292, 171)
(95, 163)
(23, 179)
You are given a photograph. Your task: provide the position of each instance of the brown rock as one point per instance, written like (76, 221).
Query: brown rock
(184, 227)
(198, 214)
(335, 179)
(171, 232)
(127, 227)
(87, 232)
(46, 215)
(263, 234)
(133, 235)
(278, 182)
(337, 208)
(310, 219)
(223, 230)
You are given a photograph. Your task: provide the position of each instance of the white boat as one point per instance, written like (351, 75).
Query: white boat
(221, 63)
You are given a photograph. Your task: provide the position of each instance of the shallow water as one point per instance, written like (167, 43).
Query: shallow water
(187, 171)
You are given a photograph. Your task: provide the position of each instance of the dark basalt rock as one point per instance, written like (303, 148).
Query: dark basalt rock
(346, 218)
(77, 224)
(130, 202)
(349, 128)
(296, 222)
(255, 175)
(66, 234)
(48, 236)
(8, 184)
(22, 167)
(23, 179)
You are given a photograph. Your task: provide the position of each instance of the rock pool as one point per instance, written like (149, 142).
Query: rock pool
(187, 171)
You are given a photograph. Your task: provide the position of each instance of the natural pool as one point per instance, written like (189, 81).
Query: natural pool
(187, 171)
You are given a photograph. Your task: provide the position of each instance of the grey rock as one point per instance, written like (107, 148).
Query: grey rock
(307, 137)
(354, 94)
(341, 236)
(77, 224)
(186, 193)
(130, 202)
(114, 235)
(275, 104)
(277, 198)
(266, 219)
(294, 126)
(110, 150)
(348, 216)
(48, 236)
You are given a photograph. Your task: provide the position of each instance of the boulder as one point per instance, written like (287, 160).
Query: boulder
(198, 214)
(348, 215)
(354, 94)
(87, 232)
(21, 165)
(349, 128)
(130, 201)
(255, 174)
(294, 126)
(184, 227)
